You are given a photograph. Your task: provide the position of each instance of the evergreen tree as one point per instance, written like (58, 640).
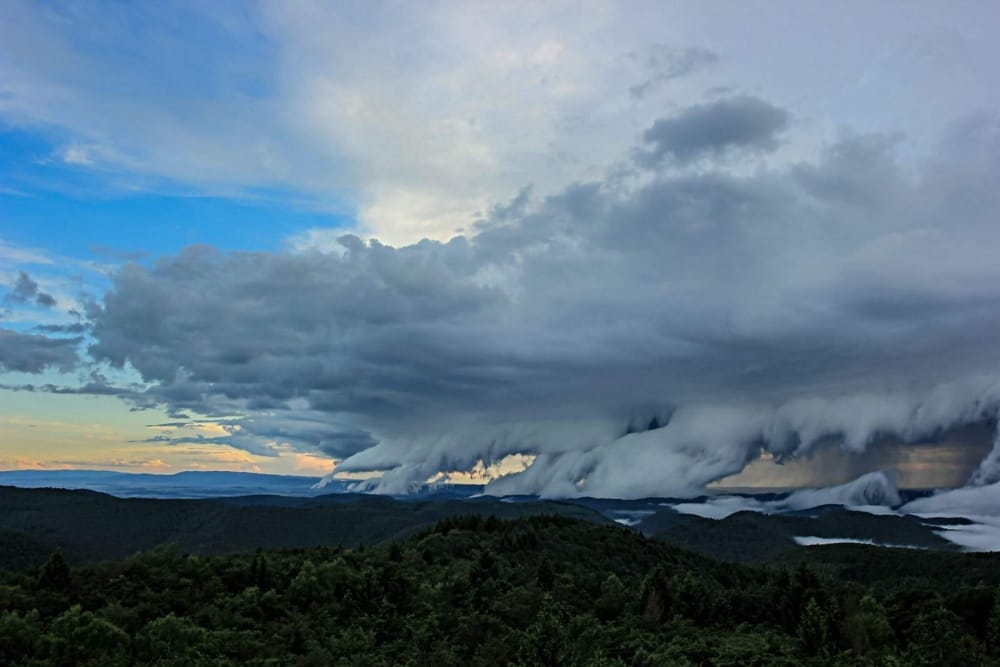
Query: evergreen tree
(814, 629)
(545, 577)
(54, 575)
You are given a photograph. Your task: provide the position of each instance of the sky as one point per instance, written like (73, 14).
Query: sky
(581, 248)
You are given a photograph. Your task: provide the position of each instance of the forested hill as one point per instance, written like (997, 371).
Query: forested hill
(89, 526)
(541, 590)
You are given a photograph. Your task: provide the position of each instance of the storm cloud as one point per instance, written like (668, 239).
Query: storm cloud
(636, 336)
(25, 291)
(709, 130)
(31, 353)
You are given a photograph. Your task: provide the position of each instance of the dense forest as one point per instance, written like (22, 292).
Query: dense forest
(474, 590)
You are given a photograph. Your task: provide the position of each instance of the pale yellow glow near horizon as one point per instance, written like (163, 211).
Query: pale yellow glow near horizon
(100, 432)
(483, 474)
(917, 466)
(55, 431)
(480, 474)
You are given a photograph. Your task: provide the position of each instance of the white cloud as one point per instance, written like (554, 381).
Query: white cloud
(75, 155)
(810, 541)
(420, 116)
(14, 256)
(721, 507)
(872, 493)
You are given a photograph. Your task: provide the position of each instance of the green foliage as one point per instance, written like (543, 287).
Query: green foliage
(613, 600)
(544, 590)
(170, 640)
(19, 634)
(814, 629)
(54, 575)
(993, 626)
(866, 628)
(78, 637)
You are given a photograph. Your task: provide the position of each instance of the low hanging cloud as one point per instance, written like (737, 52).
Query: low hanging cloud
(636, 336)
(873, 492)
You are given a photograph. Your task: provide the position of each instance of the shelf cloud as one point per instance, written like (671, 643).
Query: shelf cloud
(644, 333)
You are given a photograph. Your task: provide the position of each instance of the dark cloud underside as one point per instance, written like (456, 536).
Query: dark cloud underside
(710, 130)
(30, 353)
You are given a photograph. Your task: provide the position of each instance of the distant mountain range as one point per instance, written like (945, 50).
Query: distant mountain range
(198, 484)
(89, 526)
(188, 484)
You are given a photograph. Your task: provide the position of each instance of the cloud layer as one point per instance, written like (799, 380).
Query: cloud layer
(642, 334)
